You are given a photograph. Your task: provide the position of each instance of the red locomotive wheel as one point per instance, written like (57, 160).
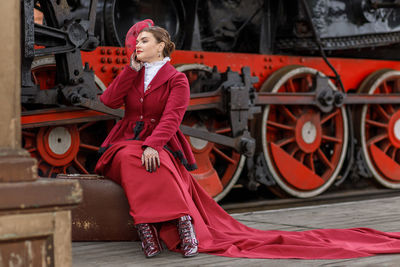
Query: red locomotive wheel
(379, 128)
(63, 149)
(219, 167)
(304, 148)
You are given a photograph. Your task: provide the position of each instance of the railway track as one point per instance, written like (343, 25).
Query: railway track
(327, 198)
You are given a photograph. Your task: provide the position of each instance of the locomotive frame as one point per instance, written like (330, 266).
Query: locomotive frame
(307, 118)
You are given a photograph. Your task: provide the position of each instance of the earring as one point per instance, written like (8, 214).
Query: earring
(159, 54)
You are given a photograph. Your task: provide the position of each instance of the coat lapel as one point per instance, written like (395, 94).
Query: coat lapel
(162, 76)
(140, 82)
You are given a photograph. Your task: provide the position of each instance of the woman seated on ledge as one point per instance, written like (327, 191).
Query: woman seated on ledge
(150, 158)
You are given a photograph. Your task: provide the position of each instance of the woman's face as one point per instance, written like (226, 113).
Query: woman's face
(147, 48)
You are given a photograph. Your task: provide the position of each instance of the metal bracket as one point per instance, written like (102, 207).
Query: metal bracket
(326, 97)
(244, 143)
(78, 100)
(262, 174)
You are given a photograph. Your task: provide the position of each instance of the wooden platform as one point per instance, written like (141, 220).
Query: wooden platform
(381, 214)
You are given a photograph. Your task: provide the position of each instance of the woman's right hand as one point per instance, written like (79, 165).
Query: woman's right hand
(136, 65)
(150, 159)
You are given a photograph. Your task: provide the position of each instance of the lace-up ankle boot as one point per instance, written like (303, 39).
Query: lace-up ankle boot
(187, 235)
(150, 243)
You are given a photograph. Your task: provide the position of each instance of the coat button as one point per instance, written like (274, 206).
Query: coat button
(141, 100)
(153, 120)
(141, 117)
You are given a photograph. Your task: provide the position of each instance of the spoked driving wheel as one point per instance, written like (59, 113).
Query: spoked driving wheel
(304, 148)
(379, 129)
(67, 148)
(219, 167)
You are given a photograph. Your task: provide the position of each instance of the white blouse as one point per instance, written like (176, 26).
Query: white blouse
(151, 70)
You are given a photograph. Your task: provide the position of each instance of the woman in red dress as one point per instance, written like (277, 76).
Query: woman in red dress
(149, 157)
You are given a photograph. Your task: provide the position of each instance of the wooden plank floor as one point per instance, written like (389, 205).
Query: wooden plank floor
(381, 214)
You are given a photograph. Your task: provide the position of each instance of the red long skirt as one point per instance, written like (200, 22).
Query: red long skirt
(171, 192)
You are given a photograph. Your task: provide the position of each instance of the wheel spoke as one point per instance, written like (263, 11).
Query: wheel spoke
(286, 141)
(332, 139)
(376, 139)
(311, 162)
(293, 151)
(384, 88)
(302, 155)
(306, 83)
(291, 87)
(224, 130)
(390, 108)
(50, 171)
(376, 123)
(330, 116)
(289, 114)
(280, 125)
(382, 112)
(224, 156)
(89, 147)
(396, 86)
(86, 125)
(393, 153)
(79, 166)
(324, 158)
(386, 146)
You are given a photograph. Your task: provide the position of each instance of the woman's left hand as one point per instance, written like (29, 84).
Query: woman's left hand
(150, 159)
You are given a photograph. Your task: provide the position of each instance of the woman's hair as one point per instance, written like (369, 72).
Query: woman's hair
(162, 35)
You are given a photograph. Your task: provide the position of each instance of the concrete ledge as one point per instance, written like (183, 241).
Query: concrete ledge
(43, 193)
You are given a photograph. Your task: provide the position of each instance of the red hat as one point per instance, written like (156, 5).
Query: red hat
(131, 36)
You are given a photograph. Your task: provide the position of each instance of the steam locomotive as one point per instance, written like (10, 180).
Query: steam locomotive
(294, 95)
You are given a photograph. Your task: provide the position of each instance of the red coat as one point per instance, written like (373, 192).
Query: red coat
(153, 116)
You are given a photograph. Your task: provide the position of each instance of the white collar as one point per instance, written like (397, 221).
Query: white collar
(156, 63)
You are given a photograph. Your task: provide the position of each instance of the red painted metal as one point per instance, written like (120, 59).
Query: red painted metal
(54, 116)
(208, 155)
(389, 168)
(205, 174)
(295, 173)
(381, 141)
(44, 76)
(390, 129)
(303, 163)
(83, 141)
(352, 71)
(46, 152)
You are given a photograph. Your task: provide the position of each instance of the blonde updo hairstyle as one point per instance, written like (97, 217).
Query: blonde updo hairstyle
(162, 35)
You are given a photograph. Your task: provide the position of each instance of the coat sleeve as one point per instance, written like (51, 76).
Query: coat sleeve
(177, 103)
(115, 93)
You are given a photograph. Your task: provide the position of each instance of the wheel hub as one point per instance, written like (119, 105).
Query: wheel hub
(308, 132)
(394, 129)
(58, 146)
(59, 140)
